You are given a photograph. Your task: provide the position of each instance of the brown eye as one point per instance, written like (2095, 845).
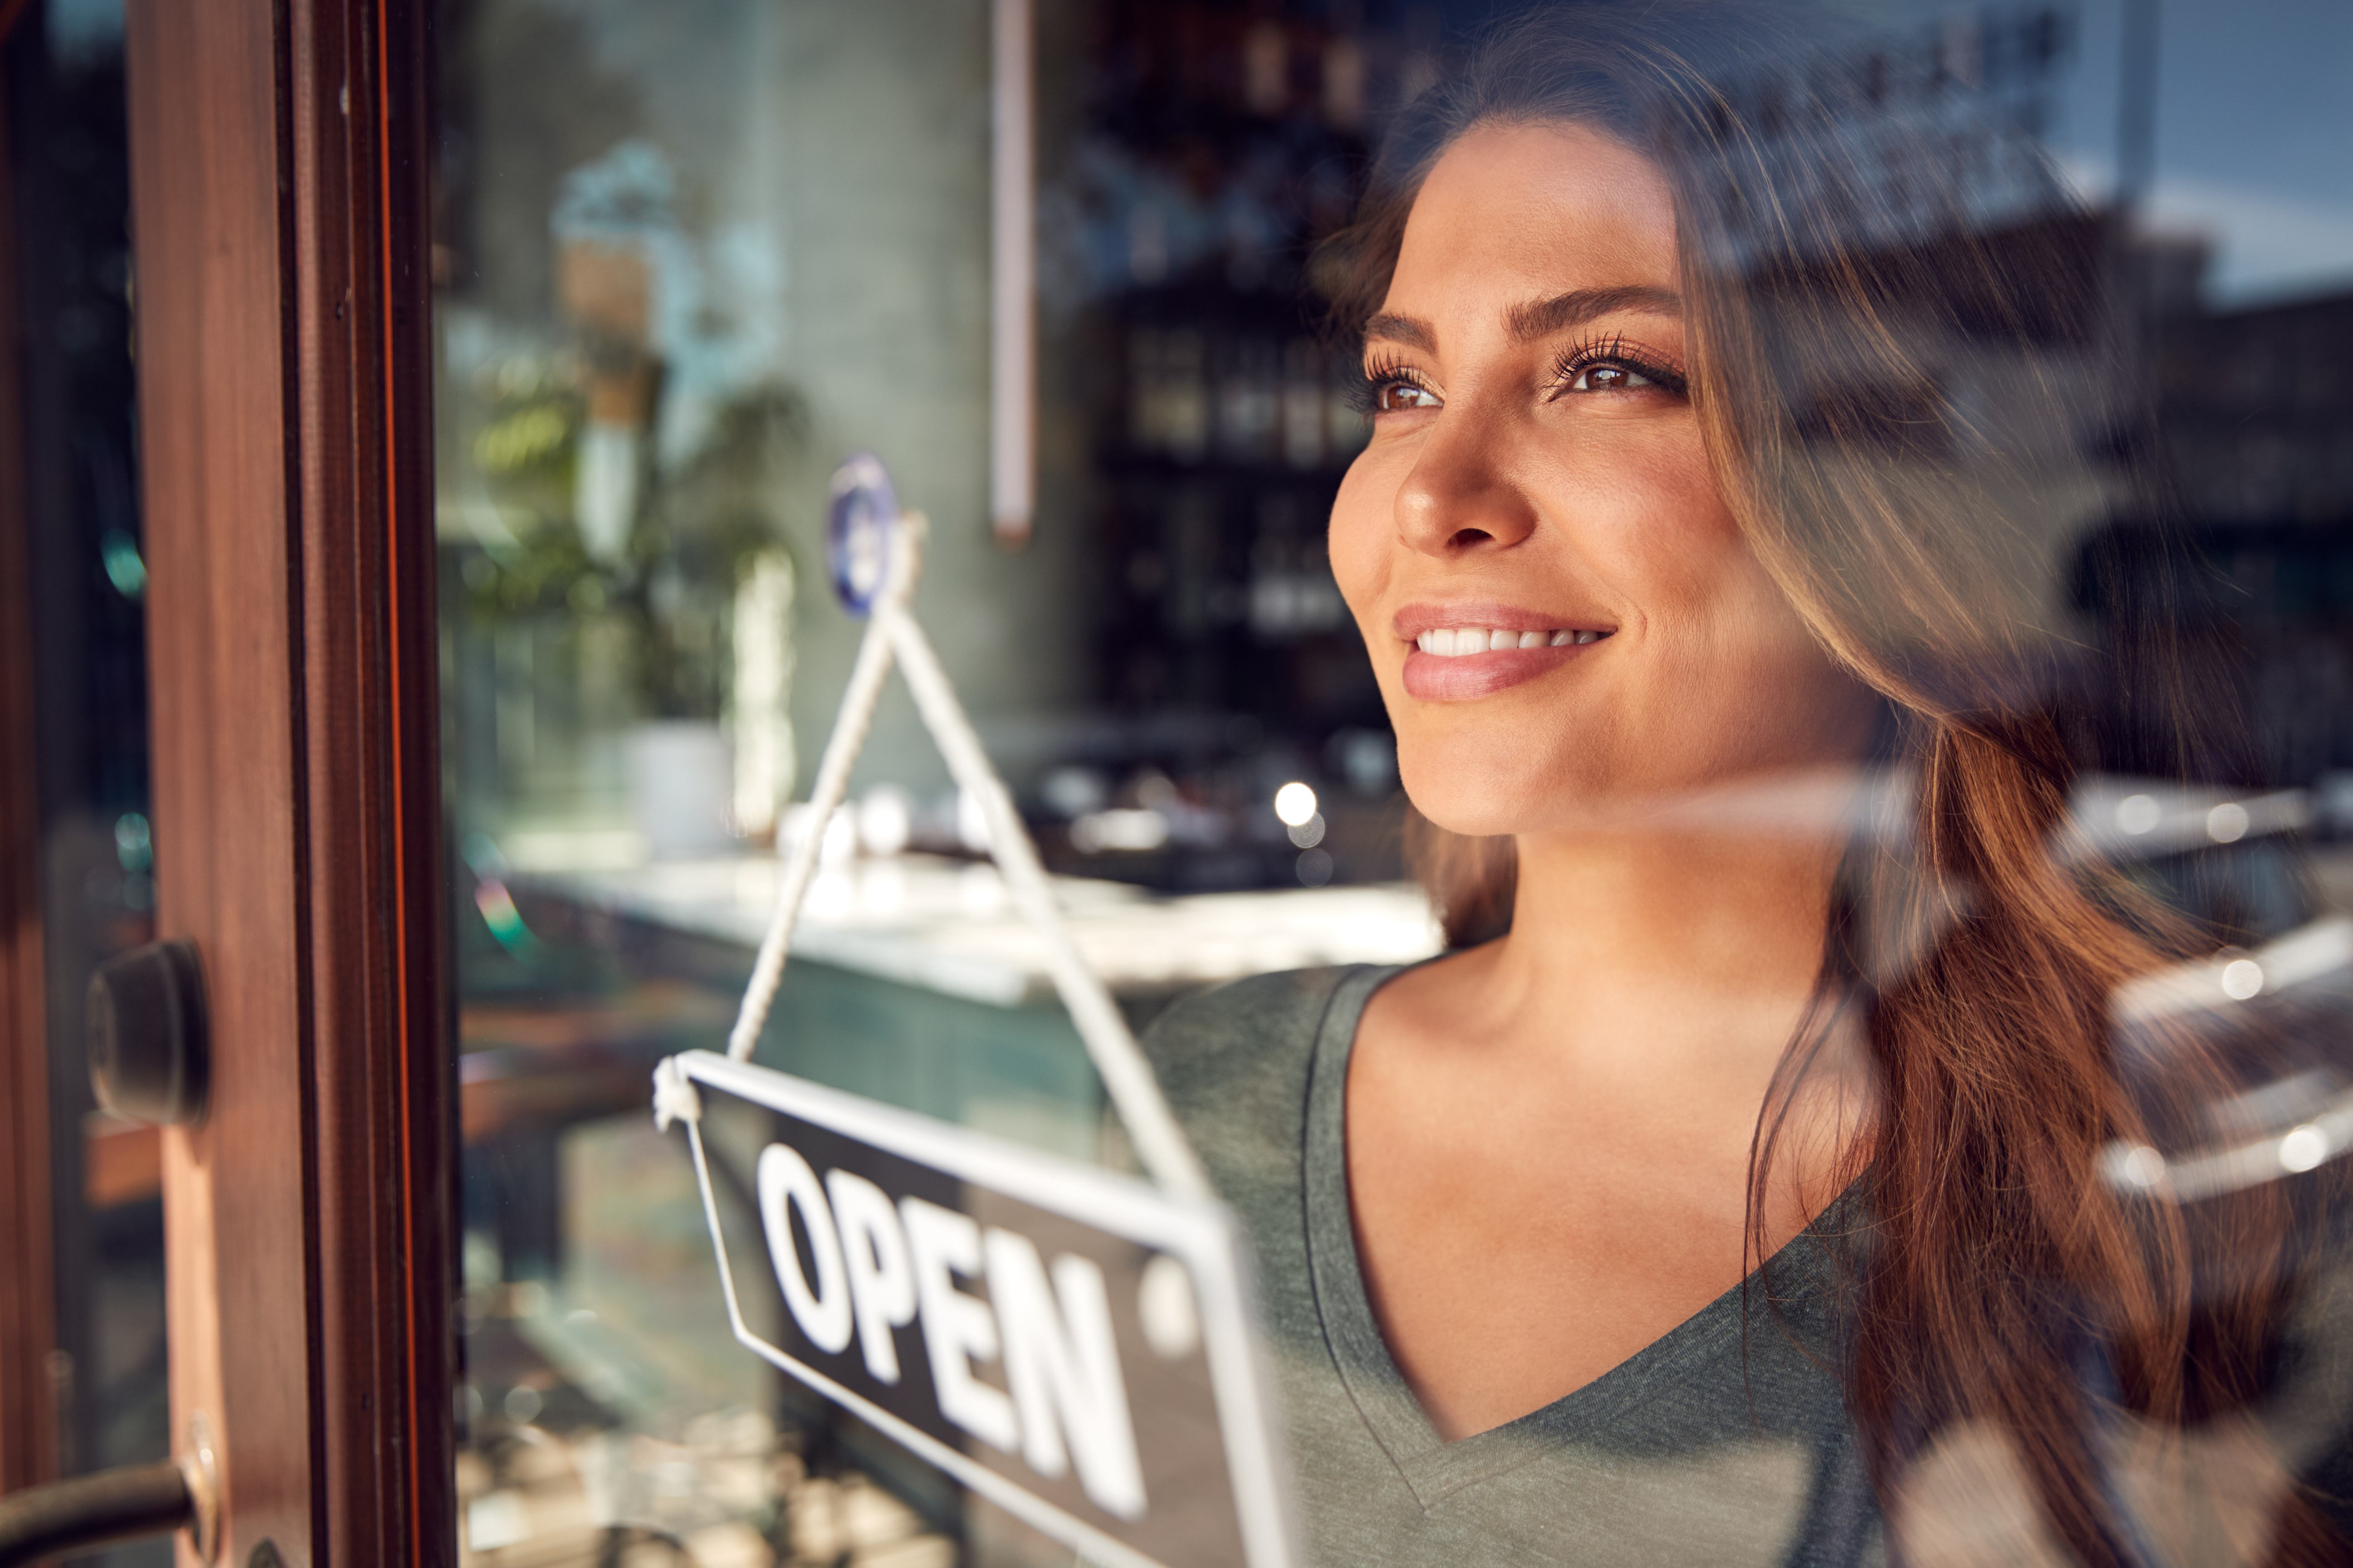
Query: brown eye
(1610, 378)
(1396, 397)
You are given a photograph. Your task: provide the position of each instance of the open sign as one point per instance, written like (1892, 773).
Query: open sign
(1074, 1344)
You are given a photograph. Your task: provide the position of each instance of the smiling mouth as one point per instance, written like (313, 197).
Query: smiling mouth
(1455, 642)
(1462, 663)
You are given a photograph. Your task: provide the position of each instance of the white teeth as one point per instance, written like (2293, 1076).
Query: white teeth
(1448, 642)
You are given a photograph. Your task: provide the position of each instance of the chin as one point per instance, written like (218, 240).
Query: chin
(1463, 793)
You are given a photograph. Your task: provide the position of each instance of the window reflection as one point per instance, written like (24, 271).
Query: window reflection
(2037, 365)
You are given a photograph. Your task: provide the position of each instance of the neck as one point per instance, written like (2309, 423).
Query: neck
(1693, 945)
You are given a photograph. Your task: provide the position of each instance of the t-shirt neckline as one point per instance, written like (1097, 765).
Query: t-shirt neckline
(1428, 1464)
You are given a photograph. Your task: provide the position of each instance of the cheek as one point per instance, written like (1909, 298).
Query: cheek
(1364, 534)
(1649, 522)
(1730, 678)
(1721, 673)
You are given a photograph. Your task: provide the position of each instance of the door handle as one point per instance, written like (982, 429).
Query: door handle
(124, 1504)
(148, 1058)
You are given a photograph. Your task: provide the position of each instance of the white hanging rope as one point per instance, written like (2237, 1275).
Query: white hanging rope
(1127, 1078)
(841, 748)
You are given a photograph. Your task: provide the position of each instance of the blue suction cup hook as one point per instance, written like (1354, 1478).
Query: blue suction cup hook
(863, 514)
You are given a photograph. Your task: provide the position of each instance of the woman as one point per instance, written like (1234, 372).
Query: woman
(1733, 1188)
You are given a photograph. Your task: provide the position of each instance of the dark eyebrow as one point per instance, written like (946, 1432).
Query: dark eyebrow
(1406, 329)
(1542, 318)
(1537, 318)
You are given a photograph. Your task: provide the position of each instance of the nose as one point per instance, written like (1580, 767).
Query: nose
(1458, 499)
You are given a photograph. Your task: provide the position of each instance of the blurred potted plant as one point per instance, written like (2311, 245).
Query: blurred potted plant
(657, 553)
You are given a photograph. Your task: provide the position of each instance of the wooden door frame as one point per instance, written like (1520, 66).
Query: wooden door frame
(29, 1407)
(280, 167)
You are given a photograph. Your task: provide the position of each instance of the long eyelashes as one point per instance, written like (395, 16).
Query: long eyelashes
(1613, 356)
(1602, 364)
(1365, 394)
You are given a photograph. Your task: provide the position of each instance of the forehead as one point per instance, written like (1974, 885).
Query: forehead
(1515, 212)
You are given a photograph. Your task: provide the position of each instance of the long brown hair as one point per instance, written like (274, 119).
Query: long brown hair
(1841, 280)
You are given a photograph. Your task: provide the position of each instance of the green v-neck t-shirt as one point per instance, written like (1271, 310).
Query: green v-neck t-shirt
(1723, 1443)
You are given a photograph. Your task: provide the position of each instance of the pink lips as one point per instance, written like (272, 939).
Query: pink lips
(1437, 678)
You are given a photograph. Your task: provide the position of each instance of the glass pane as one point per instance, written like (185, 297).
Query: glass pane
(70, 181)
(684, 270)
(1790, 551)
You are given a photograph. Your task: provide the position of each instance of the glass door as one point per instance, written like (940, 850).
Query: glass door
(684, 270)
(492, 359)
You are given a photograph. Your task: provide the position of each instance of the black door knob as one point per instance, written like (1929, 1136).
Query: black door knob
(127, 1504)
(147, 1048)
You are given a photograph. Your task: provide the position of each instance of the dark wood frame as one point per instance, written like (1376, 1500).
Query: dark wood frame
(28, 1412)
(280, 157)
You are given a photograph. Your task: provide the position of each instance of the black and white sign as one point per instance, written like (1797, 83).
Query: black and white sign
(1071, 1343)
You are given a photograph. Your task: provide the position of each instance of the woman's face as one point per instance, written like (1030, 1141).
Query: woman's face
(1535, 488)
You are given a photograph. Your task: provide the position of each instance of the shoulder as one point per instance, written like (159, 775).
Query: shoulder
(1235, 1061)
(1237, 1065)
(1204, 1041)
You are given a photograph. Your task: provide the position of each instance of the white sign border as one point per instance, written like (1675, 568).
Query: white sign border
(1200, 1234)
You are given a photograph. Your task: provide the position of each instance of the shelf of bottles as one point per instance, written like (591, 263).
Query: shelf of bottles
(1219, 144)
